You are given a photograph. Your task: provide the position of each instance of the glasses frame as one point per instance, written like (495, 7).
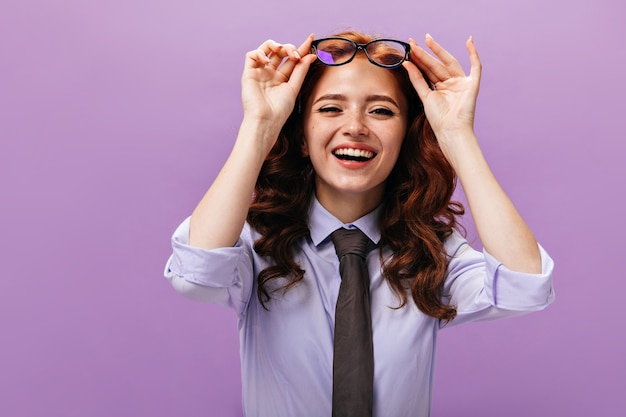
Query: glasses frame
(362, 47)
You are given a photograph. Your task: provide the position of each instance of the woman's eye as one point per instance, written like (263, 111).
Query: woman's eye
(329, 109)
(383, 111)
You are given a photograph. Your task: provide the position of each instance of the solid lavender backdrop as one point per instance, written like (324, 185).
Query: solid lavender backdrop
(115, 116)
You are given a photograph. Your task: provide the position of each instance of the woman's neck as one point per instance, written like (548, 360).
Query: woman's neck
(348, 207)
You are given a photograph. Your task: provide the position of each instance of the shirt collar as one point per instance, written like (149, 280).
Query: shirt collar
(322, 223)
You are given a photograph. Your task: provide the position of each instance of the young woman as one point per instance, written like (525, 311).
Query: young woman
(353, 132)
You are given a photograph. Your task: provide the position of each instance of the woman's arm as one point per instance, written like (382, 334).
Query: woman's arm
(450, 110)
(271, 80)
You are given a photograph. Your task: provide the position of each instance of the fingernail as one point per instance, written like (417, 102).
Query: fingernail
(296, 54)
(428, 36)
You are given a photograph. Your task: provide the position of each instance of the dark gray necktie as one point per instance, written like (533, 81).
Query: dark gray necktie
(353, 363)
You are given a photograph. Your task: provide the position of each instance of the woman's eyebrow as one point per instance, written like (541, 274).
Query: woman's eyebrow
(381, 97)
(342, 97)
(337, 97)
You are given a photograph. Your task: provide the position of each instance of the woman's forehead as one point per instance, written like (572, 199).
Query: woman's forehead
(358, 76)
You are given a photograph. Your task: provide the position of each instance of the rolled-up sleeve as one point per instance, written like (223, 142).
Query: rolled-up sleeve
(222, 276)
(481, 288)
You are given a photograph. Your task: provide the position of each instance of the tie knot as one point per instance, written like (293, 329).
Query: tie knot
(351, 241)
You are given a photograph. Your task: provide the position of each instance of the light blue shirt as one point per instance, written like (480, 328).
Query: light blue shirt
(287, 352)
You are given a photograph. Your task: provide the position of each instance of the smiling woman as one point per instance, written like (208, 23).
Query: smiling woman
(346, 139)
(354, 124)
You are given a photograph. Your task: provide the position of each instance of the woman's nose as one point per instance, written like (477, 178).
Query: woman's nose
(355, 125)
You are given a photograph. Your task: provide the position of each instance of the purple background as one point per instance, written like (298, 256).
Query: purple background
(116, 115)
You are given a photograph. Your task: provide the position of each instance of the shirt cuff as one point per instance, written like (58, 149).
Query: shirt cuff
(216, 268)
(519, 291)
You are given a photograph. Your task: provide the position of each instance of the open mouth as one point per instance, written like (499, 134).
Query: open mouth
(350, 154)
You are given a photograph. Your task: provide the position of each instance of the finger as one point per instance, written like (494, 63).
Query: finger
(276, 52)
(266, 48)
(475, 65)
(432, 67)
(305, 48)
(300, 70)
(417, 79)
(444, 56)
(296, 53)
(302, 66)
(257, 58)
(261, 56)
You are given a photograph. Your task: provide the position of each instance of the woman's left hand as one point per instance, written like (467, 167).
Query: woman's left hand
(451, 105)
(450, 111)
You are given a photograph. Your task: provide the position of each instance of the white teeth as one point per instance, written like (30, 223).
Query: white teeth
(359, 153)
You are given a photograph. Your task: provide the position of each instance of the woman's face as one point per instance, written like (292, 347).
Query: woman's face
(354, 125)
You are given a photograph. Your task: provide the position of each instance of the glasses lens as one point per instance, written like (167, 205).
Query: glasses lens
(335, 51)
(386, 53)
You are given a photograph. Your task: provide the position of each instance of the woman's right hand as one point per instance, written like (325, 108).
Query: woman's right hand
(270, 85)
(272, 77)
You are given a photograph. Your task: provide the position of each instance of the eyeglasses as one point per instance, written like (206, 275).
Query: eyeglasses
(386, 53)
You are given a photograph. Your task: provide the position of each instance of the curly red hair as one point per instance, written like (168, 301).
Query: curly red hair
(418, 213)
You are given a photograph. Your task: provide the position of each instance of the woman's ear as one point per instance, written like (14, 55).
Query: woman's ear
(305, 149)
